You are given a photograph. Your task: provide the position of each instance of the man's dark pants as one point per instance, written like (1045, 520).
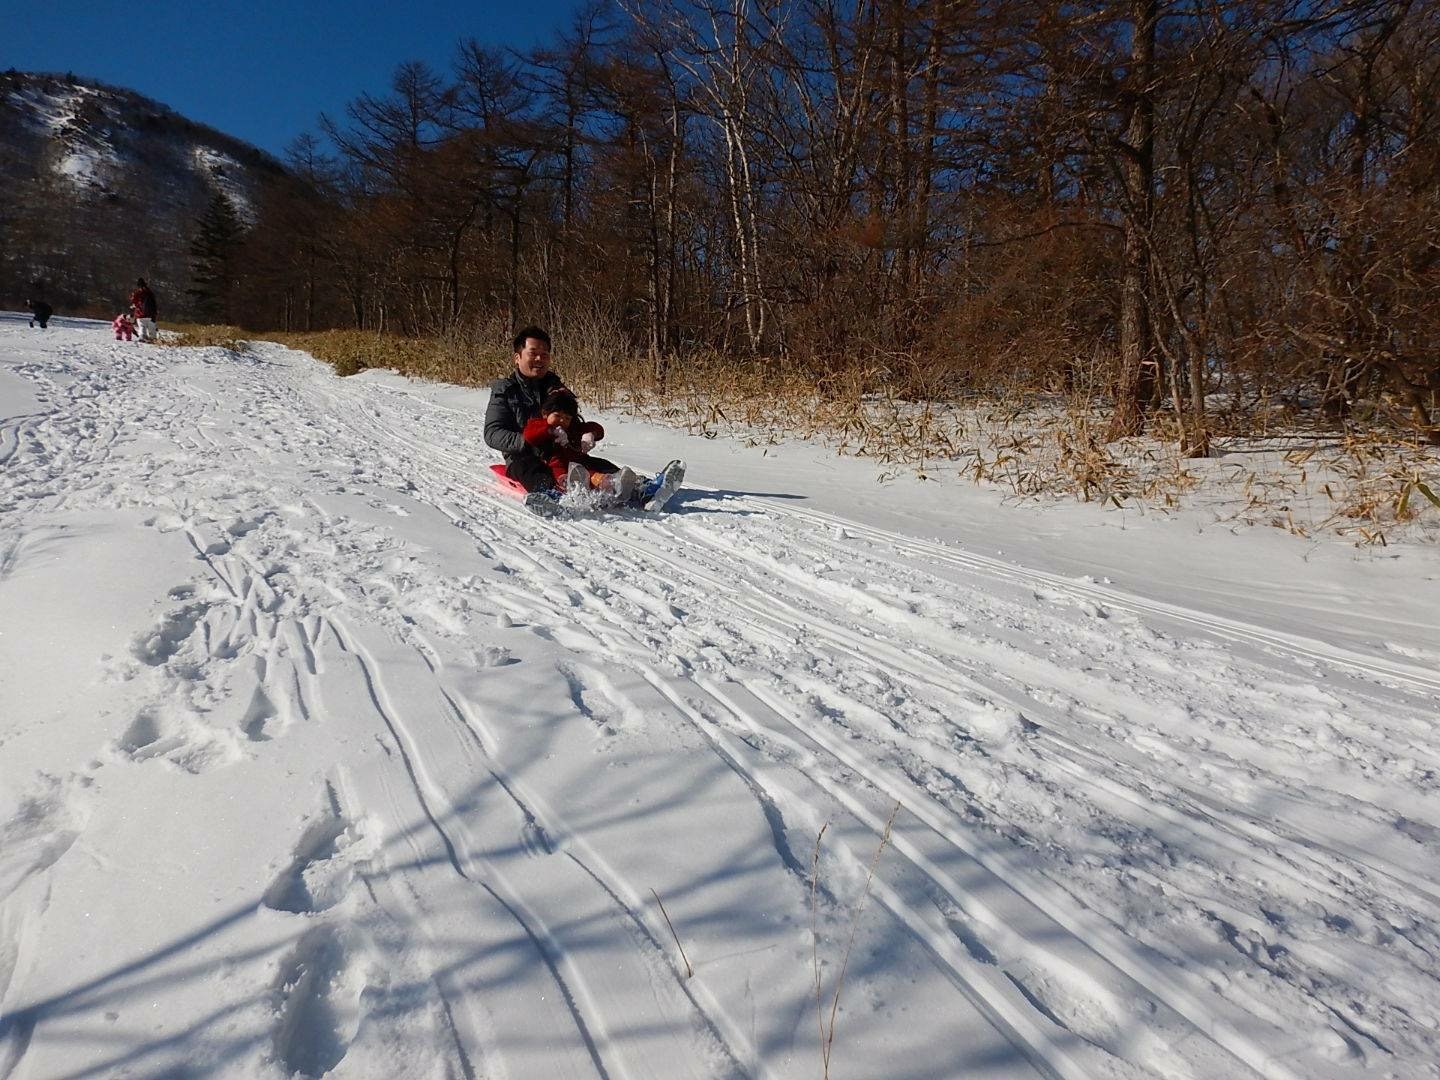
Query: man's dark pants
(534, 473)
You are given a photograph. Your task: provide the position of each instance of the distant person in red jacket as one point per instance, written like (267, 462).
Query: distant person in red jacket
(564, 440)
(142, 306)
(124, 326)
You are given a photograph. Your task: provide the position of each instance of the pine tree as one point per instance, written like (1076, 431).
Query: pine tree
(212, 260)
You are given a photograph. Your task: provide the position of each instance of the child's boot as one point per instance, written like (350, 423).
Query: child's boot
(624, 484)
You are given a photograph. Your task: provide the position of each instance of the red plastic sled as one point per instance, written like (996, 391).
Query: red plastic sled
(506, 482)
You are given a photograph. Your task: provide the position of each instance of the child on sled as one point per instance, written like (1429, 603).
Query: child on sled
(565, 441)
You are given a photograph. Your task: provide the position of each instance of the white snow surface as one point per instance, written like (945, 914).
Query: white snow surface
(85, 165)
(319, 755)
(84, 158)
(220, 171)
(53, 111)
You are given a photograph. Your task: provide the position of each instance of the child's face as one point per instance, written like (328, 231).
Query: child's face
(556, 418)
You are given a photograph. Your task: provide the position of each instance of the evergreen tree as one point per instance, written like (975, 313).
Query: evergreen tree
(213, 260)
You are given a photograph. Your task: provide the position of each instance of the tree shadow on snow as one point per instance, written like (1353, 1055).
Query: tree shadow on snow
(288, 1005)
(292, 1021)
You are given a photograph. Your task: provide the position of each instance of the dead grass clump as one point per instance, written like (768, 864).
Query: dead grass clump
(1374, 483)
(204, 334)
(454, 358)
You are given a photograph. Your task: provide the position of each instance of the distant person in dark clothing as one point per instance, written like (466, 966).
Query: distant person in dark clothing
(142, 306)
(40, 312)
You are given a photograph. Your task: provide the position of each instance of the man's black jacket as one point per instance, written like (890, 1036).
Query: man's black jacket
(513, 401)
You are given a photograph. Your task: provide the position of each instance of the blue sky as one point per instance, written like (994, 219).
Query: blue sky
(261, 70)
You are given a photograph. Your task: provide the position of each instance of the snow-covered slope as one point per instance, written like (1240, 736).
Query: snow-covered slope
(103, 184)
(320, 756)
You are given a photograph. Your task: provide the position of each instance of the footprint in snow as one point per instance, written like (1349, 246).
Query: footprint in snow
(599, 700)
(330, 851)
(155, 647)
(177, 736)
(262, 720)
(245, 526)
(319, 988)
(41, 829)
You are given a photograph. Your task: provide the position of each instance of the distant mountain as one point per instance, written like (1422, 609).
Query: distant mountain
(99, 185)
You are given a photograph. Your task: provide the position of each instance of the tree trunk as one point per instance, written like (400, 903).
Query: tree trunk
(514, 298)
(1139, 366)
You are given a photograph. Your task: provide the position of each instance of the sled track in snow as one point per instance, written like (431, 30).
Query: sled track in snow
(1282, 644)
(461, 849)
(1084, 932)
(950, 673)
(460, 498)
(690, 559)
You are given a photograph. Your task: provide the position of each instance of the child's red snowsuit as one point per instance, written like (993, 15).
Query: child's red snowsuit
(542, 437)
(123, 327)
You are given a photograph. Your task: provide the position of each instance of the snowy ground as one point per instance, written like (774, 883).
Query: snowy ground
(320, 756)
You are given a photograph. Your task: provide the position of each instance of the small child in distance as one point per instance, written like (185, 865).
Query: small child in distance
(124, 327)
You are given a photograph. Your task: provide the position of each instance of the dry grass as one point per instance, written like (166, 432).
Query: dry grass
(177, 335)
(459, 360)
(450, 360)
(1267, 469)
(1380, 483)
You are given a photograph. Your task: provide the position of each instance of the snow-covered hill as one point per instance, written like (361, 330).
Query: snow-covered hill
(318, 755)
(102, 184)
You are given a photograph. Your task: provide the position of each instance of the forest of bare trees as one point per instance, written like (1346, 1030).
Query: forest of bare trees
(1172, 206)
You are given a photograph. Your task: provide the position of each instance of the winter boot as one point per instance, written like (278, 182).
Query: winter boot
(667, 482)
(623, 484)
